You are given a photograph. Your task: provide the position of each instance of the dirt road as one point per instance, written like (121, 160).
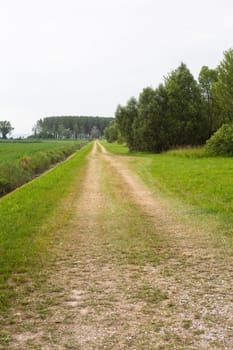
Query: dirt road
(129, 274)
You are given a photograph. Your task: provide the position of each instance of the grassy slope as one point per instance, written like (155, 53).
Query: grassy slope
(26, 218)
(21, 161)
(204, 183)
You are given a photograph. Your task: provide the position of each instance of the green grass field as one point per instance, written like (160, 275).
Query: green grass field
(26, 217)
(12, 151)
(21, 161)
(206, 183)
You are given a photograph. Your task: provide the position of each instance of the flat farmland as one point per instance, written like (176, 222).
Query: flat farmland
(13, 151)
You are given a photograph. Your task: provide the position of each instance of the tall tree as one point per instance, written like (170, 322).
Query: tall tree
(150, 125)
(38, 127)
(207, 79)
(125, 116)
(5, 128)
(75, 130)
(95, 132)
(185, 113)
(112, 132)
(224, 86)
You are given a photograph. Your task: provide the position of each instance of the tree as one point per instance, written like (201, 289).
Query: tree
(5, 128)
(61, 131)
(207, 79)
(95, 132)
(186, 118)
(125, 116)
(69, 126)
(75, 130)
(224, 87)
(112, 132)
(38, 127)
(150, 125)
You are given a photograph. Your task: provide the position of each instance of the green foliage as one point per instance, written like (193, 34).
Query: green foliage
(5, 128)
(150, 126)
(180, 112)
(224, 86)
(70, 127)
(168, 116)
(221, 143)
(23, 241)
(20, 162)
(125, 116)
(95, 133)
(186, 120)
(207, 80)
(112, 132)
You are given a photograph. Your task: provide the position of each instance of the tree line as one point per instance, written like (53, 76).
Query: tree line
(180, 111)
(71, 127)
(5, 128)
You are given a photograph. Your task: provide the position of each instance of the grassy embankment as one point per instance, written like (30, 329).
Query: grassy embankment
(29, 218)
(21, 161)
(203, 184)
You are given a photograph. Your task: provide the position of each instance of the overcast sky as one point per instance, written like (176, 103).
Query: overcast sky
(84, 57)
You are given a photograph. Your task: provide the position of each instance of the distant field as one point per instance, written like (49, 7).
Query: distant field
(11, 151)
(204, 182)
(20, 161)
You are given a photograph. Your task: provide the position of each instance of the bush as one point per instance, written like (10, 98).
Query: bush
(221, 142)
(12, 175)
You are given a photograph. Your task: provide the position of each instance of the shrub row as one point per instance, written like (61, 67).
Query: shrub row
(15, 174)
